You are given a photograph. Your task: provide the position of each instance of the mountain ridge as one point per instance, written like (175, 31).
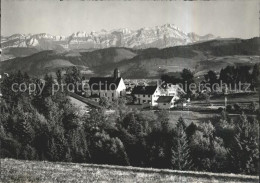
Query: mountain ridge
(159, 36)
(142, 63)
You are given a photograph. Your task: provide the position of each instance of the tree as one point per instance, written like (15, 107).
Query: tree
(244, 152)
(73, 77)
(187, 75)
(107, 150)
(180, 157)
(208, 151)
(164, 117)
(228, 75)
(229, 108)
(78, 150)
(104, 102)
(96, 120)
(255, 74)
(211, 77)
(252, 106)
(47, 89)
(10, 87)
(187, 78)
(59, 76)
(237, 107)
(243, 74)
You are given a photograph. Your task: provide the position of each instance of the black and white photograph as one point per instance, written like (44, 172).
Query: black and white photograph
(129, 91)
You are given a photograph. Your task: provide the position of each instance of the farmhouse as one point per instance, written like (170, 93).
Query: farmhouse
(171, 90)
(166, 102)
(146, 95)
(109, 87)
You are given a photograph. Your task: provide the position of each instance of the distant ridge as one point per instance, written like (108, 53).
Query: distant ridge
(142, 63)
(158, 37)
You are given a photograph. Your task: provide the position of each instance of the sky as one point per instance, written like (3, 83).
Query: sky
(222, 18)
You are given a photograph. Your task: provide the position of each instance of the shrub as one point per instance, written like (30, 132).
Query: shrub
(229, 108)
(237, 107)
(252, 106)
(220, 109)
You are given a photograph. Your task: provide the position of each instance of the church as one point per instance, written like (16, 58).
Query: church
(109, 87)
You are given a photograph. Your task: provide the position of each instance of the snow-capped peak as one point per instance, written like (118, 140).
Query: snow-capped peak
(159, 36)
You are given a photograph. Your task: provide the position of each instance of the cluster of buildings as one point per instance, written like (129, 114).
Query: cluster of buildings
(162, 96)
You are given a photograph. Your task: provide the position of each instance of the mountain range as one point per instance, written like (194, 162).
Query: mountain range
(199, 57)
(167, 35)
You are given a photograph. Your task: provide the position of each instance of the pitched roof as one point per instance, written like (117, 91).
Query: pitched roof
(85, 100)
(104, 83)
(167, 86)
(164, 99)
(147, 90)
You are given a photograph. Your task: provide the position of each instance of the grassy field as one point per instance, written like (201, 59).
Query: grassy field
(13, 171)
(198, 117)
(191, 116)
(231, 99)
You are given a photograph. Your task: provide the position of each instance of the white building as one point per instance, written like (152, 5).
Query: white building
(166, 102)
(171, 90)
(109, 87)
(150, 94)
(146, 95)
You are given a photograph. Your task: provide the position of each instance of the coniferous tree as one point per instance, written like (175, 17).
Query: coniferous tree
(180, 158)
(59, 76)
(244, 153)
(48, 84)
(254, 76)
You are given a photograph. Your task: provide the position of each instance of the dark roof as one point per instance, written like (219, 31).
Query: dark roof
(85, 100)
(148, 90)
(164, 99)
(103, 83)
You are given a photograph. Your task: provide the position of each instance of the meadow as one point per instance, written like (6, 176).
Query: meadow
(18, 171)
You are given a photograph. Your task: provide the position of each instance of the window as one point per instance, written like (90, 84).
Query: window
(112, 94)
(164, 104)
(144, 101)
(143, 95)
(149, 101)
(149, 96)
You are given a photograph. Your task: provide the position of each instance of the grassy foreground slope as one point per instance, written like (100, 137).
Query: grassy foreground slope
(40, 171)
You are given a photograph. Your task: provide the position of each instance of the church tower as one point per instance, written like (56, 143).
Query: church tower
(116, 73)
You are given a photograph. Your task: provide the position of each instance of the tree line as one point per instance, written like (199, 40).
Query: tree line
(230, 75)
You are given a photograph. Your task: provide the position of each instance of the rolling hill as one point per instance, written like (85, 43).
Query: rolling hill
(142, 63)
